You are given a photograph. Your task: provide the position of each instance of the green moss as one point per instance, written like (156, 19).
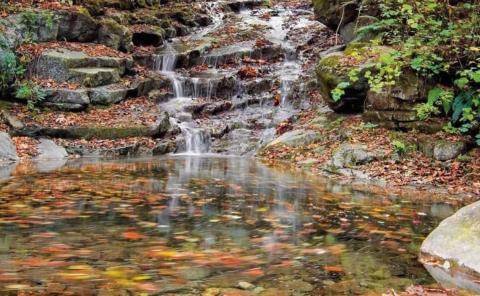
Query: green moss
(355, 48)
(110, 133)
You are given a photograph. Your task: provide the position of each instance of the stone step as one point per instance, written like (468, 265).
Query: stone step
(159, 129)
(234, 53)
(92, 77)
(79, 99)
(56, 64)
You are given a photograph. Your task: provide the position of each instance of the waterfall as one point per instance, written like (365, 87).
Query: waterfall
(197, 140)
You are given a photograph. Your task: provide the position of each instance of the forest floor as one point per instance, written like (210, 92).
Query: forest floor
(401, 167)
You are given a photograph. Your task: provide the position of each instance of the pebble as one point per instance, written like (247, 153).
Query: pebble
(245, 285)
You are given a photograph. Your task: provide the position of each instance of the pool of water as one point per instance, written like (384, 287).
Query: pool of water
(200, 226)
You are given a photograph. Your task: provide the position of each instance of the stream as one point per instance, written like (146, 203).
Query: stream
(188, 225)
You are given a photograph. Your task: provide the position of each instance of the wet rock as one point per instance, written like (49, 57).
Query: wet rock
(442, 150)
(162, 126)
(48, 150)
(8, 152)
(160, 96)
(76, 26)
(296, 138)
(163, 148)
(112, 34)
(237, 5)
(143, 86)
(455, 242)
(149, 37)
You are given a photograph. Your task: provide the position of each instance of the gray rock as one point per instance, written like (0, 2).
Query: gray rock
(8, 152)
(162, 148)
(12, 120)
(245, 285)
(76, 26)
(348, 155)
(442, 150)
(19, 28)
(92, 77)
(456, 242)
(114, 35)
(6, 170)
(195, 273)
(56, 64)
(67, 99)
(162, 126)
(296, 138)
(106, 95)
(48, 150)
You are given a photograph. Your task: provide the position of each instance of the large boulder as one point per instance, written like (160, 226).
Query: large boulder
(343, 15)
(450, 252)
(76, 26)
(48, 150)
(331, 71)
(8, 152)
(403, 96)
(442, 150)
(335, 13)
(114, 35)
(30, 25)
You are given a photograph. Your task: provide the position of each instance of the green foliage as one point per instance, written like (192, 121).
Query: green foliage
(31, 92)
(440, 42)
(339, 91)
(9, 69)
(399, 147)
(33, 20)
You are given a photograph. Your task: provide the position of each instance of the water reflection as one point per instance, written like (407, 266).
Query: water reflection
(188, 224)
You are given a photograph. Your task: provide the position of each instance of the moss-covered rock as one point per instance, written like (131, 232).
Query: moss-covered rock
(331, 70)
(114, 35)
(76, 26)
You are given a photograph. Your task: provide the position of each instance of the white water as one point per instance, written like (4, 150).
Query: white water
(197, 140)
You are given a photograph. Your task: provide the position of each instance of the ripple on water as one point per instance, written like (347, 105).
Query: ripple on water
(202, 224)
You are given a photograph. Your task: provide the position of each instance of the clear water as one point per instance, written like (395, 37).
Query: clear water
(186, 225)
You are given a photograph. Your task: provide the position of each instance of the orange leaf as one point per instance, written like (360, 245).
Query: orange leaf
(133, 235)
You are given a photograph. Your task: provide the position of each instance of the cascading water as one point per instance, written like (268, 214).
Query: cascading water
(197, 140)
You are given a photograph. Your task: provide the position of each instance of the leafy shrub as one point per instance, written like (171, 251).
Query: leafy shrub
(438, 41)
(9, 68)
(31, 92)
